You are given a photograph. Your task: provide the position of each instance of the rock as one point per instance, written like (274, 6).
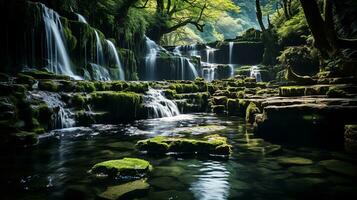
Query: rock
(212, 144)
(166, 183)
(340, 167)
(287, 161)
(24, 139)
(305, 170)
(129, 190)
(351, 138)
(220, 109)
(126, 167)
(311, 124)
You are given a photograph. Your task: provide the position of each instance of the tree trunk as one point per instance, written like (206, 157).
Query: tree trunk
(317, 26)
(259, 15)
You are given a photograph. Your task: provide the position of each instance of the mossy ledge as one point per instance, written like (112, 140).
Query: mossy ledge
(212, 144)
(132, 168)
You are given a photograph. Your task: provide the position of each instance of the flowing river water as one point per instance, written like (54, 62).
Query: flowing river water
(57, 168)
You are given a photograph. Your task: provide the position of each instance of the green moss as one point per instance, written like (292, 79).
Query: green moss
(85, 86)
(185, 88)
(125, 167)
(335, 92)
(170, 94)
(138, 87)
(240, 94)
(25, 79)
(291, 91)
(252, 109)
(212, 144)
(49, 85)
(122, 106)
(44, 74)
(78, 100)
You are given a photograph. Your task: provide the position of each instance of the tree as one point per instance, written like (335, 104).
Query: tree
(268, 37)
(323, 29)
(171, 15)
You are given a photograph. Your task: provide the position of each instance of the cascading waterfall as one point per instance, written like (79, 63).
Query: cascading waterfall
(231, 44)
(183, 61)
(210, 54)
(158, 105)
(150, 59)
(113, 52)
(255, 72)
(208, 73)
(57, 56)
(81, 18)
(62, 117)
(99, 50)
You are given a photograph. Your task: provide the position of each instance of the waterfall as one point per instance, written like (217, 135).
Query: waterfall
(210, 54)
(231, 44)
(193, 50)
(159, 106)
(57, 56)
(254, 72)
(231, 66)
(99, 73)
(99, 50)
(113, 52)
(183, 61)
(150, 59)
(62, 117)
(81, 18)
(209, 73)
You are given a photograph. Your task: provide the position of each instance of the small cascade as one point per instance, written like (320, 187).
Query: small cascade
(81, 18)
(231, 44)
(113, 52)
(255, 72)
(62, 117)
(57, 55)
(99, 50)
(99, 73)
(183, 61)
(210, 57)
(209, 73)
(231, 66)
(158, 105)
(150, 59)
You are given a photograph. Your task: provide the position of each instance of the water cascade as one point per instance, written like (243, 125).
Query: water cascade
(158, 105)
(208, 73)
(183, 61)
(57, 55)
(62, 117)
(113, 52)
(254, 72)
(99, 50)
(231, 44)
(81, 18)
(150, 59)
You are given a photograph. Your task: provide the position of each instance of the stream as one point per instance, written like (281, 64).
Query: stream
(57, 168)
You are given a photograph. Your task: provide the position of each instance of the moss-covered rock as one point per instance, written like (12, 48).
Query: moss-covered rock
(44, 74)
(212, 144)
(24, 139)
(49, 85)
(335, 92)
(218, 109)
(251, 111)
(25, 79)
(121, 106)
(126, 167)
(126, 190)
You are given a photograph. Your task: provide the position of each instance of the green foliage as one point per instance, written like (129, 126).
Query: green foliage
(302, 59)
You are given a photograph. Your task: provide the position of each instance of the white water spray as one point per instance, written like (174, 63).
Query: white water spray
(158, 105)
(113, 52)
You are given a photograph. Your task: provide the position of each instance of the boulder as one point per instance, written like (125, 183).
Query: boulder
(212, 144)
(126, 167)
(127, 190)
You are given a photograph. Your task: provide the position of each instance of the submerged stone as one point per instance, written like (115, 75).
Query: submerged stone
(340, 167)
(126, 167)
(212, 144)
(294, 161)
(131, 189)
(167, 183)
